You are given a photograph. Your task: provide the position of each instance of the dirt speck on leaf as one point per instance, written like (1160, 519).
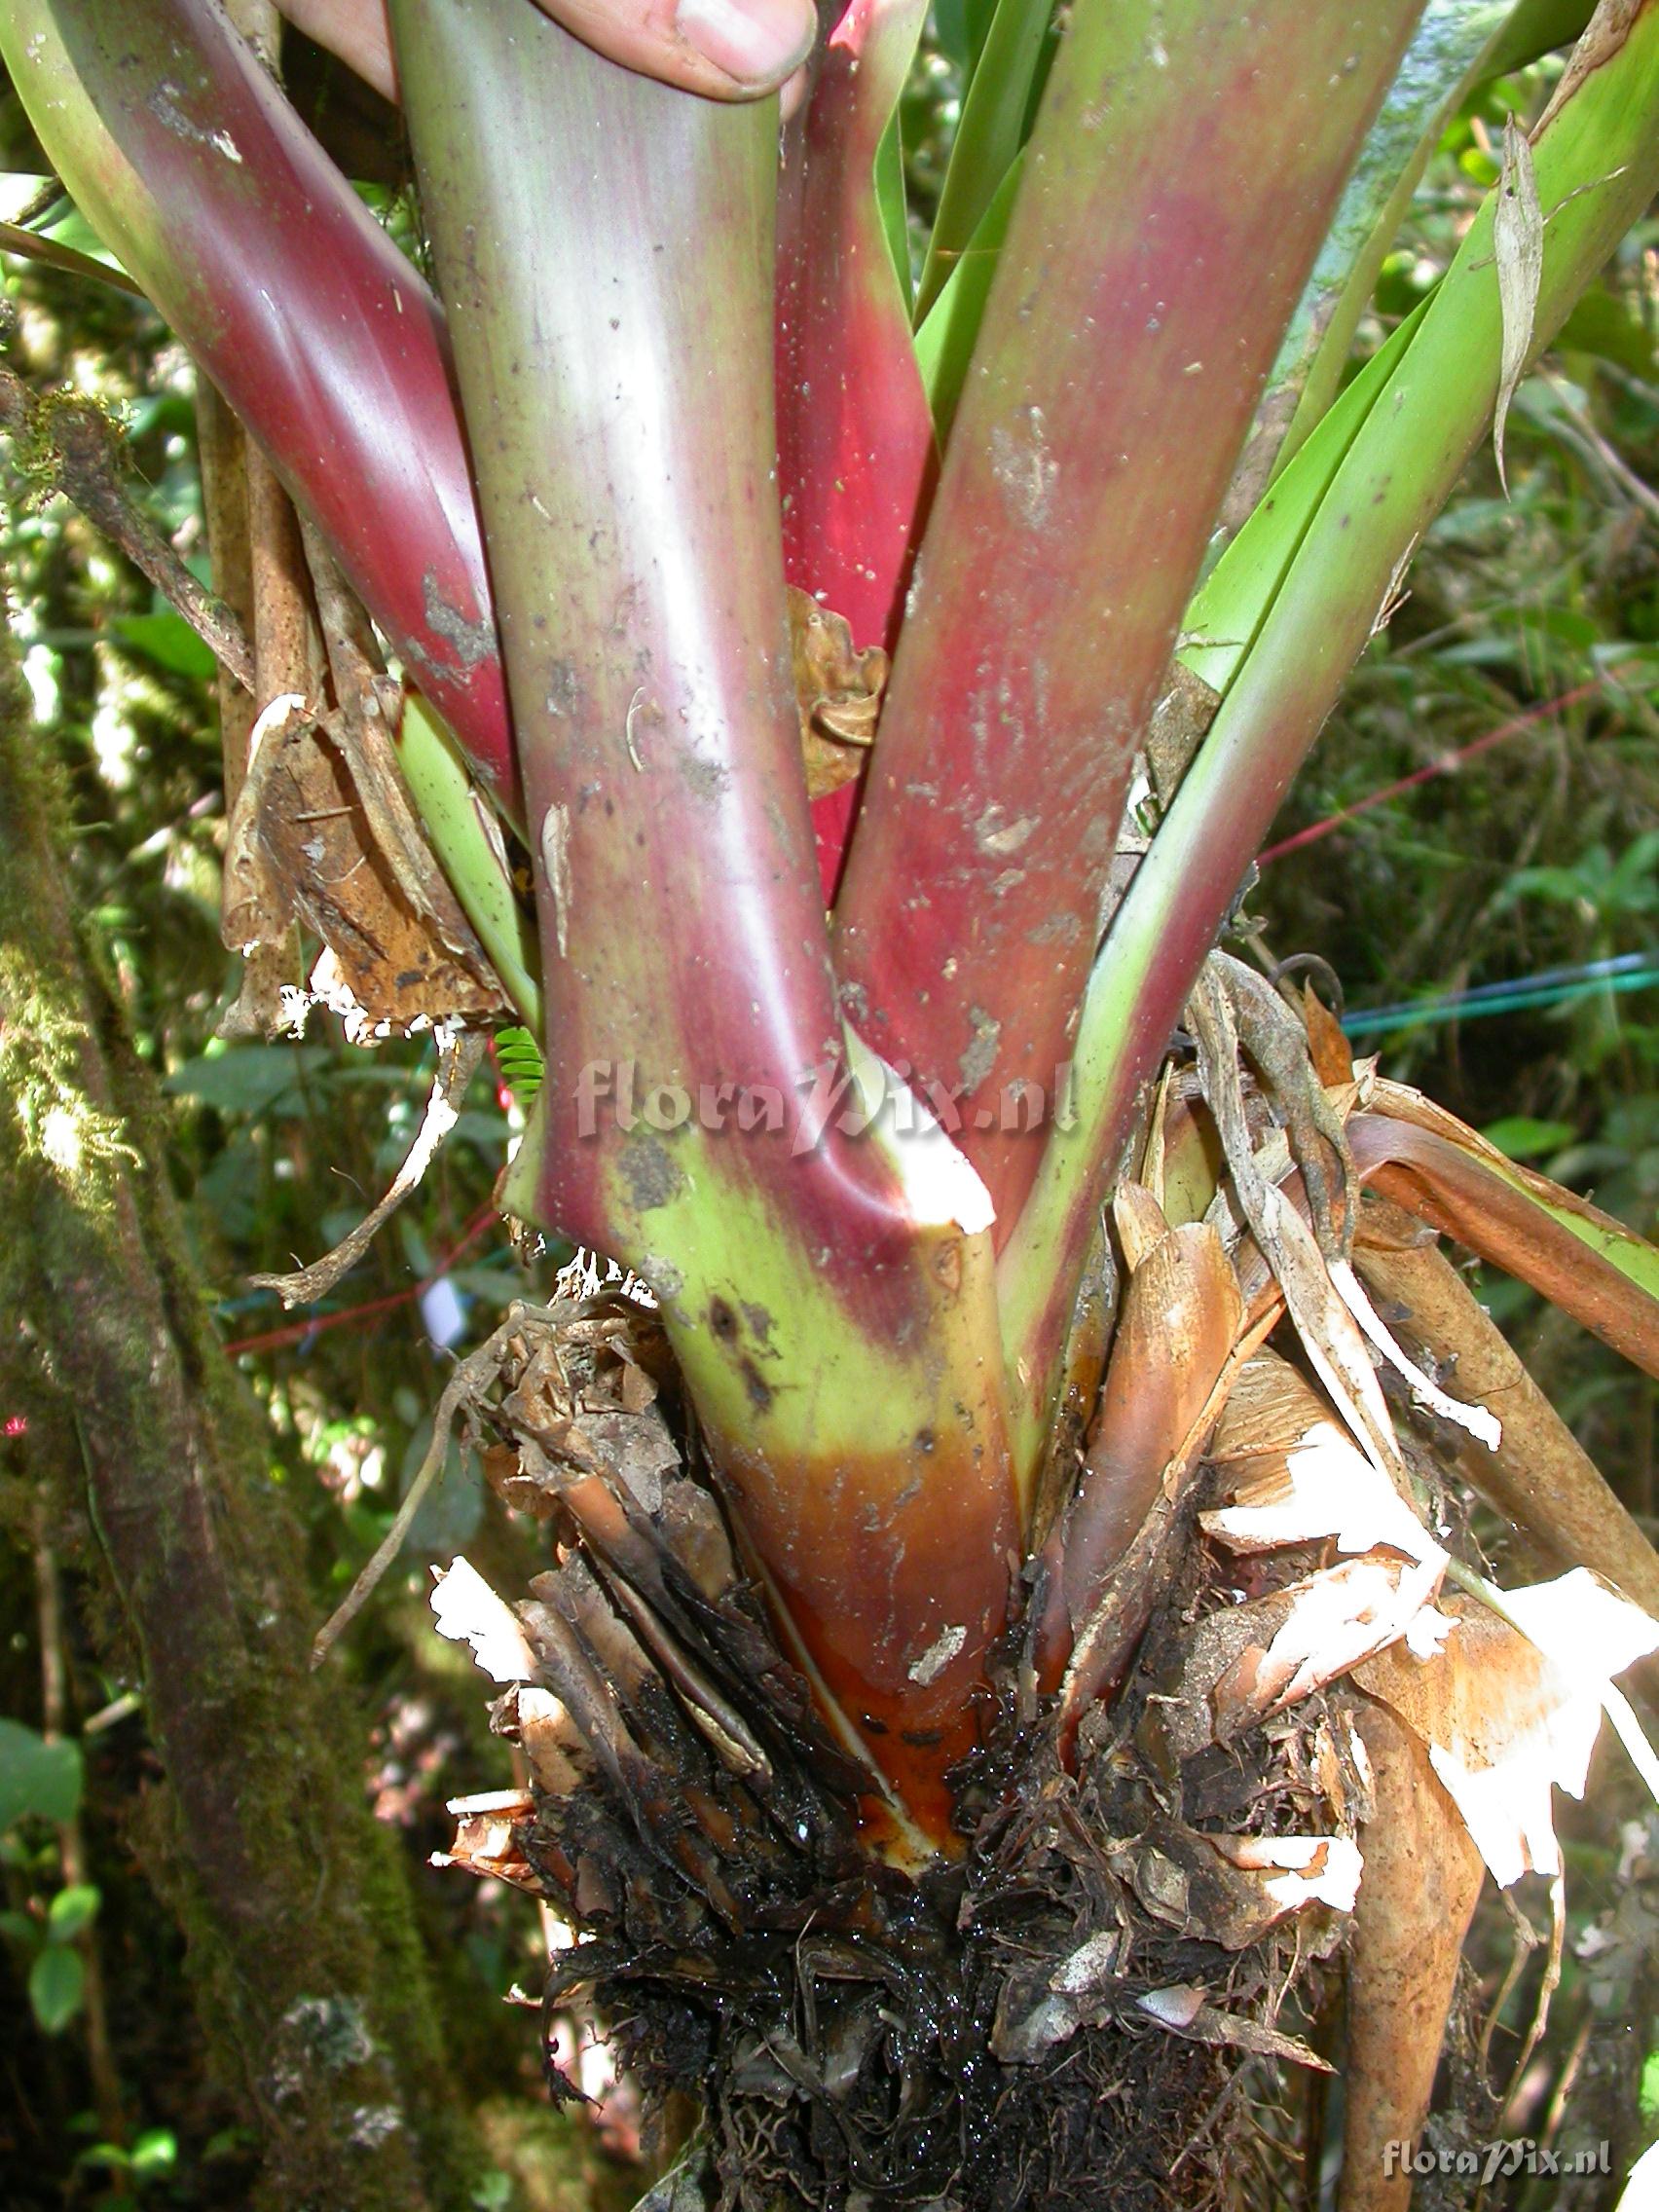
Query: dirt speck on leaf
(651, 1176)
(471, 643)
(977, 1061)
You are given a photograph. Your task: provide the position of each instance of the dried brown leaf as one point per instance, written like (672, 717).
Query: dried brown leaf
(1299, 1479)
(1328, 1331)
(1245, 1663)
(1417, 1891)
(1503, 1721)
(1539, 1476)
(459, 1057)
(1182, 2007)
(1180, 1325)
(484, 1839)
(838, 691)
(1139, 1221)
(1327, 1042)
(1431, 1163)
(323, 833)
(467, 1610)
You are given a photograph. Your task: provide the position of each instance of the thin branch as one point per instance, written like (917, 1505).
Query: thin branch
(473, 1374)
(85, 468)
(459, 1056)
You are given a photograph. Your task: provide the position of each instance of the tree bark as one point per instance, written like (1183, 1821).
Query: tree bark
(301, 1942)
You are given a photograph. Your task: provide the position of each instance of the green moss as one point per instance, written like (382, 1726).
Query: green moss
(301, 1945)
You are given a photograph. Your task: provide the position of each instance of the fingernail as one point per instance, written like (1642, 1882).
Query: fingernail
(760, 43)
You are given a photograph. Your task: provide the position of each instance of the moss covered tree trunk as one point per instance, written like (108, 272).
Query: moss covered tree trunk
(301, 1943)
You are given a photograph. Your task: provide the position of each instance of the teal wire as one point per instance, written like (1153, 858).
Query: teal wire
(1455, 1008)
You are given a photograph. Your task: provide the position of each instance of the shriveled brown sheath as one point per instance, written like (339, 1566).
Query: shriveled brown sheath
(1491, 1212)
(1423, 1875)
(1540, 1477)
(1182, 1317)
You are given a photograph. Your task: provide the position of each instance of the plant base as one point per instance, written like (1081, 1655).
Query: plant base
(1088, 2007)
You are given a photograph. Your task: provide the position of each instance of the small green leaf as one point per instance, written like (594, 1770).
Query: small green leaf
(248, 1078)
(889, 197)
(1520, 1137)
(18, 1927)
(950, 328)
(71, 1910)
(1603, 325)
(57, 1985)
(168, 641)
(155, 2152)
(37, 1777)
(103, 2157)
(519, 1059)
(989, 137)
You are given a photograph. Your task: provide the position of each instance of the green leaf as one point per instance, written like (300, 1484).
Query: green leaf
(467, 842)
(519, 1059)
(57, 1985)
(889, 197)
(249, 1078)
(950, 29)
(1520, 1137)
(945, 343)
(71, 1910)
(1536, 27)
(37, 1777)
(18, 1927)
(168, 641)
(995, 120)
(104, 2157)
(1604, 326)
(155, 2152)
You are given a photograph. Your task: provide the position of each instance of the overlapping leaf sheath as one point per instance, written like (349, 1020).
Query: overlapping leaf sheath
(1177, 1333)
(1538, 1475)
(1172, 199)
(610, 290)
(196, 172)
(1583, 1261)
(1307, 614)
(1423, 1875)
(855, 437)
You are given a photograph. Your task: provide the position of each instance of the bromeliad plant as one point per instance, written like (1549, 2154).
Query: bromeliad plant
(644, 495)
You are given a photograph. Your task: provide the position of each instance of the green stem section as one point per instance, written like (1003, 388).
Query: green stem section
(828, 1294)
(1407, 440)
(467, 839)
